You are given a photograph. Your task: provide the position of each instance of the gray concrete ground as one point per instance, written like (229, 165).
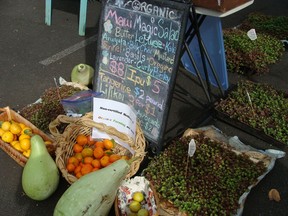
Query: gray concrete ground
(26, 43)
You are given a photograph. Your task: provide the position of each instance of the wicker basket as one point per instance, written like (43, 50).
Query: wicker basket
(7, 114)
(84, 125)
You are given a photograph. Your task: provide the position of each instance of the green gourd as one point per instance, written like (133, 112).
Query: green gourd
(82, 74)
(93, 194)
(40, 177)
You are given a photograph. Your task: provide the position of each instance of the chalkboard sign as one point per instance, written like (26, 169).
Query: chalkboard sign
(137, 59)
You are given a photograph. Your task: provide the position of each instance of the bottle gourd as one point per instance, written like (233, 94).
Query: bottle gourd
(40, 177)
(93, 194)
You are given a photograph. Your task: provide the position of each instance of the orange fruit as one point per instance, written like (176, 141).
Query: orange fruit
(108, 144)
(95, 169)
(79, 156)
(70, 167)
(25, 144)
(15, 128)
(98, 152)
(77, 169)
(108, 152)
(99, 144)
(88, 160)
(90, 140)
(86, 168)
(77, 148)
(87, 152)
(114, 157)
(7, 137)
(78, 175)
(73, 160)
(104, 161)
(81, 139)
(96, 163)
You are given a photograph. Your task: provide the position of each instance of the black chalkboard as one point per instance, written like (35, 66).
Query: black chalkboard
(137, 58)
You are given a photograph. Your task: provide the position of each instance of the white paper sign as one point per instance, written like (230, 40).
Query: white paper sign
(252, 34)
(191, 148)
(115, 114)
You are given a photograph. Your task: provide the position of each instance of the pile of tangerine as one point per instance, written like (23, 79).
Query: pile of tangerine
(90, 155)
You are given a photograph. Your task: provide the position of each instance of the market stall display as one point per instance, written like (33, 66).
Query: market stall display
(215, 180)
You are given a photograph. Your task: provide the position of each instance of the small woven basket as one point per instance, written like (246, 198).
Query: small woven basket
(84, 125)
(7, 114)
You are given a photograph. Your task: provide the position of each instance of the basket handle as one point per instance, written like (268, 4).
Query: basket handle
(7, 110)
(87, 121)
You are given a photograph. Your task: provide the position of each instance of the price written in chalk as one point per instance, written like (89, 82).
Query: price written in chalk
(140, 42)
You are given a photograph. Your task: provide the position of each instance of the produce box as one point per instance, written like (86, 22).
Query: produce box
(206, 173)
(258, 109)
(83, 125)
(219, 5)
(7, 114)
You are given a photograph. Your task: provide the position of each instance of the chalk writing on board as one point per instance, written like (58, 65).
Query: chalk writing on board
(139, 41)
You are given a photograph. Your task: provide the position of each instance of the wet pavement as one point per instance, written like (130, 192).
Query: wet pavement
(32, 54)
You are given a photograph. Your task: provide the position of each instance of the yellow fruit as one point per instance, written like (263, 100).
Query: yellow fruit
(15, 128)
(13, 143)
(7, 136)
(1, 132)
(18, 147)
(47, 142)
(22, 125)
(6, 125)
(24, 136)
(26, 130)
(138, 196)
(27, 153)
(134, 206)
(25, 144)
(143, 212)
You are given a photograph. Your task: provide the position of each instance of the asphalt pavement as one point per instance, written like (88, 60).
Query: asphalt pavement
(32, 54)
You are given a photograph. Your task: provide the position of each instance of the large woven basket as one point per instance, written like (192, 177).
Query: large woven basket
(84, 125)
(7, 114)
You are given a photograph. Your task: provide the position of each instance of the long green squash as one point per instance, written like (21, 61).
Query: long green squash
(40, 177)
(94, 193)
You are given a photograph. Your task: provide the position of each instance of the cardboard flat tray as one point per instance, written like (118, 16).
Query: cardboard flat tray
(248, 129)
(219, 5)
(9, 114)
(164, 207)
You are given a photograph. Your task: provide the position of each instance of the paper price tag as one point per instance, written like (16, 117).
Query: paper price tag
(252, 34)
(191, 148)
